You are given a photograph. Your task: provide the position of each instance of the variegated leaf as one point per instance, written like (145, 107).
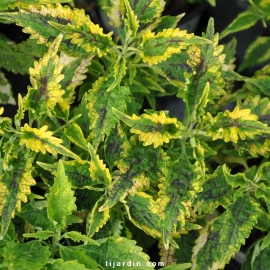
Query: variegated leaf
(152, 129)
(41, 140)
(100, 103)
(230, 125)
(45, 77)
(15, 186)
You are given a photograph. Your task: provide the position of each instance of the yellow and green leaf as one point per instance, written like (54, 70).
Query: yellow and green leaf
(79, 237)
(230, 125)
(35, 20)
(15, 186)
(98, 170)
(85, 34)
(260, 144)
(152, 128)
(131, 19)
(96, 219)
(45, 91)
(41, 140)
(159, 47)
(147, 10)
(5, 4)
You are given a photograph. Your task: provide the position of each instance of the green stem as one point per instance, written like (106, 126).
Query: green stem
(55, 243)
(68, 123)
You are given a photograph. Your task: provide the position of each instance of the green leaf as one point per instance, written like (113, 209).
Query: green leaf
(140, 209)
(38, 218)
(79, 256)
(159, 47)
(84, 120)
(40, 140)
(15, 186)
(244, 20)
(31, 255)
(9, 236)
(18, 58)
(175, 67)
(177, 190)
(41, 235)
(96, 219)
(70, 219)
(75, 134)
(78, 237)
(226, 233)
(6, 95)
(100, 105)
(147, 10)
(78, 172)
(131, 21)
(206, 62)
(20, 112)
(263, 221)
(258, 83)
(137, 167)
(118, 252)
(150, 80)
(182, 266)
(257, 53)
(166, 22)
(230, 125)
(114, 145)
(186, 243)
(59, 264)
(61, 200)
(216, 191)
(152, 129)
(262, 260)
(119, 71)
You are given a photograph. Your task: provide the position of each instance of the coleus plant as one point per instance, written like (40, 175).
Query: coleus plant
(86, 172)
